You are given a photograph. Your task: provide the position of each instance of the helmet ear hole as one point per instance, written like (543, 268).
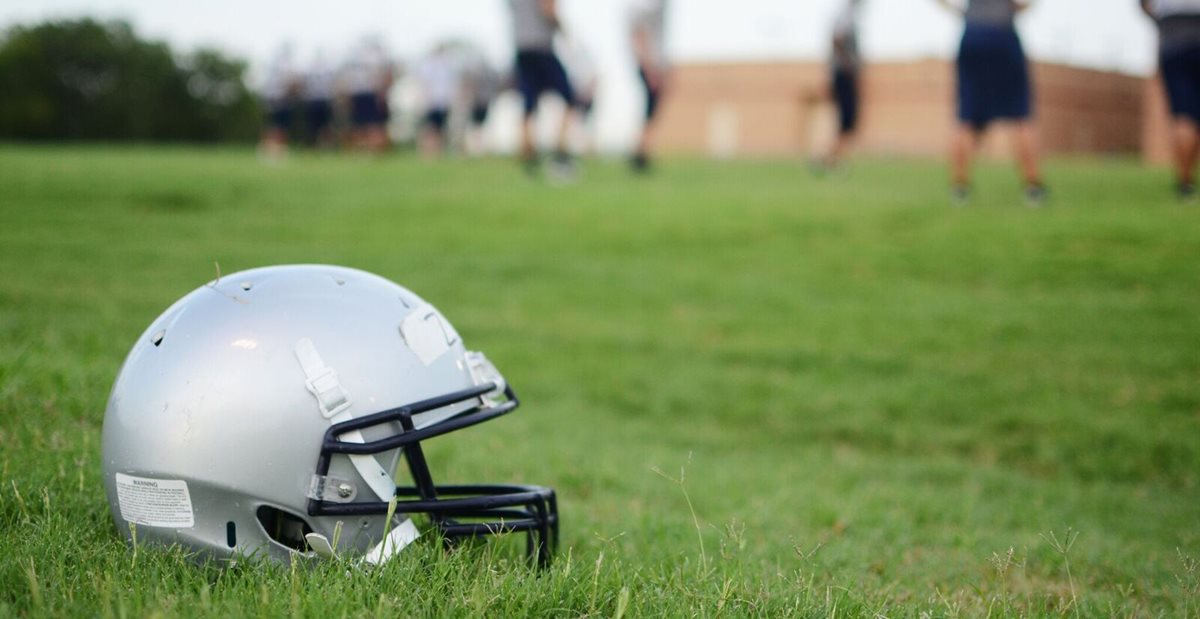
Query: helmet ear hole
(284, 528)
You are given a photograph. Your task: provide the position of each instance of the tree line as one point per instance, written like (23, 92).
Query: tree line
(91, 80)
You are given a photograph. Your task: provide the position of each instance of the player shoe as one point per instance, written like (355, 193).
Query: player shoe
(640, 163)
(531, 164)
(562, 169)
(960, 195)
(1036, 195)
(1186, 192)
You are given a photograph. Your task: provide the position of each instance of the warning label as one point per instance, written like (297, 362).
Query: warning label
(155, 502)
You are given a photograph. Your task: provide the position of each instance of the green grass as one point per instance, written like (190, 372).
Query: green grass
(875, 403)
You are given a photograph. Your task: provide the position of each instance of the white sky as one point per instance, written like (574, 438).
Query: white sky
(1109, 34)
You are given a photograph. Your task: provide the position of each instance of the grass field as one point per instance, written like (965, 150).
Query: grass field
(757, 393)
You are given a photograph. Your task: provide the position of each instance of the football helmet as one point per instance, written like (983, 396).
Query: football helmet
(266, 413)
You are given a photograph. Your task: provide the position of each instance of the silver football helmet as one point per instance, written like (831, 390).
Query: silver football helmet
(266, 413)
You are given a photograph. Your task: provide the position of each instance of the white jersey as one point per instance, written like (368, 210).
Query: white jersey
(845, 55)
(481, 81)
(280, 80)
(532, 30)
(649, 18)
(439, 76)
(1171, 8)
(367, 70)
(580, 67)
(320, 81)
(991, 12)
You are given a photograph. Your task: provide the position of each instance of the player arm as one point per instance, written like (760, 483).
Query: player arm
(952, 6)
(841, 33)
(839, 42)
(550, 10)
(1021, 5)
(1147, 9)
(641, 47)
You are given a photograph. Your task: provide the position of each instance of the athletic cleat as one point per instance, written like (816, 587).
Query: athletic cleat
(531, 165)
(1186, 192)
(960, 196)
(562, 170)
(639, 163)
(1035, 195)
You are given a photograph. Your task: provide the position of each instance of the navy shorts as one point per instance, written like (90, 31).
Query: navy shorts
(1181, 76)
(585, 106)
(479, 114)
(993, 76)
(435, 119)
(365, 110)
(845, 94)
(280, 117)
(539, 72)
(653, 95)
(318, 113)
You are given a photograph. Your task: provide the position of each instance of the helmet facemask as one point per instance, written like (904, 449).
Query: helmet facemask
(456, 511)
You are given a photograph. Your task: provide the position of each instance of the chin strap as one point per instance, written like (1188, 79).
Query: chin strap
(334, 402)
(396, 540)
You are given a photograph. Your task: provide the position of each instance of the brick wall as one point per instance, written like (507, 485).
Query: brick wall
(768, 109)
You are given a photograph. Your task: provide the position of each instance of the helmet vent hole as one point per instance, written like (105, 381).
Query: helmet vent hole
(157, 338)
(230, 534)
(247, 286)
(285, 528)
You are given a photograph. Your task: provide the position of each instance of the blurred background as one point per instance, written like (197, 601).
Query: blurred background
(736, 67)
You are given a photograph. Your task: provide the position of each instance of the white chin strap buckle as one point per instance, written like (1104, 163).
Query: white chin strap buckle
(323, 383)
(334, 403)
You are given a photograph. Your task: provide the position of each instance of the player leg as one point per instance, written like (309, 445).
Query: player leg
(652, 85)
(971, 73)
(1181, 77)
(529, 83)
(1015, 102)
(275, 136)
(1187, 145)
(845, 88)
(962, 149)
(558, 82)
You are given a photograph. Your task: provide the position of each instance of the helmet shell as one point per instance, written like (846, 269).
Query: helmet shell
(213, 395)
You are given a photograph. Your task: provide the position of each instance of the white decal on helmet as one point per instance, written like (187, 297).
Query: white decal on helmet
(427, 334)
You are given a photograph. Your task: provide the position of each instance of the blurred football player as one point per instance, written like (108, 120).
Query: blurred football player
(1179, 61)
(318, 91)
(845, 70)
(367, 78)
(993, 85)
(647, 25)
(440, 80)
(279, 96)
(538, 71)
(482, 84)
(581, 70)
